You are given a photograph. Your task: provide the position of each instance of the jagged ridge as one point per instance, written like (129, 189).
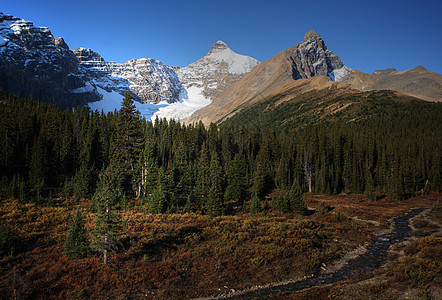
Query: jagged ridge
(33, 62)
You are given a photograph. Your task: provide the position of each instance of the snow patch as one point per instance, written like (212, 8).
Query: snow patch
(191, 100)
(238, 64)
(111, 101)
(88, 88)
(339, 74)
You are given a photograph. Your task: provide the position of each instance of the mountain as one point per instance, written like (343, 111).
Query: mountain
(33, 62)
(418, 82)
(212, 89)
(148, 80)
(216, 70)
(206, 79)
(305, 60)
(310, 67)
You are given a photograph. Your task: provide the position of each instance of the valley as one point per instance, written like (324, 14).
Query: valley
(293, 178)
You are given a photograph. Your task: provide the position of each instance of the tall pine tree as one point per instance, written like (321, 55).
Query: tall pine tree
(126, 146)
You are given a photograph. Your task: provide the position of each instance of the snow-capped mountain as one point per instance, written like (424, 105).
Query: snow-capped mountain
(177, 93)
(284, 73)
(217, 69)
(33, 62)
(149, 80)
(207, 78)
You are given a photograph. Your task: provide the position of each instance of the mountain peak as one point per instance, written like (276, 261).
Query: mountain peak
(218, 46)
(311, 34)
(420, 68)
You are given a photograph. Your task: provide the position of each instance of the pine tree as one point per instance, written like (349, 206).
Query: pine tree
(213, 206)
(236, 180)
(263, 181)
(282, 176)
(256, 203)
(155, 202)
(77, 244)
(295, 199)
(107, 220)
(126, 146)
(216, 173)
(370, 190)
(202, 183)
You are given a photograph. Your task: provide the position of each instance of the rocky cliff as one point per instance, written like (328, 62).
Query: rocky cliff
(149, 80)
(305, 60)
(312, 58)
(33, 62)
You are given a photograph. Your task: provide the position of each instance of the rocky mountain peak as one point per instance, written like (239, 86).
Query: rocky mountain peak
(314, 40)
(311, 34)
(218, 46)
(311, 58)
(33, 62)
(420, 68)
(87, 55)
(59, 42)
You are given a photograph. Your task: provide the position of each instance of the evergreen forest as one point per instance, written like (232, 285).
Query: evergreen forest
(96, 206)
(171, 167)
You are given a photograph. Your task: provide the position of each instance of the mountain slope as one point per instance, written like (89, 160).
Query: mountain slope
(309, 66)
(149, 80)
(304, 60)
(33, 62)
(418, 82)
(206, 79)
(297, 110)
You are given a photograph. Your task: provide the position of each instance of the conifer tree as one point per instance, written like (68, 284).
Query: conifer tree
(202, 182)
(295, 199)
(216, 173)
(370, 190)
(77, 244)
(236, 180)
(155, 202)
(126, 145)
(107, 220)
(213, 206)
(256, 203)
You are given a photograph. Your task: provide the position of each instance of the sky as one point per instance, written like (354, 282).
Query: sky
(366, 35)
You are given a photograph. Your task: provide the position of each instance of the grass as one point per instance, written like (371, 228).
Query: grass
(165, 254)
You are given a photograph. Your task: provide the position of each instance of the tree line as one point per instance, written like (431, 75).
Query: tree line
(171, 167)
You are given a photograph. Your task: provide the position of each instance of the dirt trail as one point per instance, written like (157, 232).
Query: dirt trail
(371, 259)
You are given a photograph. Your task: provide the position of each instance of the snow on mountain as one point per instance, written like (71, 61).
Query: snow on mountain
(33, 62)
(339, 74)
(194, 86)
(148, 80)
(191, 100)
(216, 70)
(237, 63)
(112, 100)
(54, 73)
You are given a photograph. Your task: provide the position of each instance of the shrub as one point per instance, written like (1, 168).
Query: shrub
(8, 242)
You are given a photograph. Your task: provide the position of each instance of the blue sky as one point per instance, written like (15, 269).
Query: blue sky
(367, 35)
